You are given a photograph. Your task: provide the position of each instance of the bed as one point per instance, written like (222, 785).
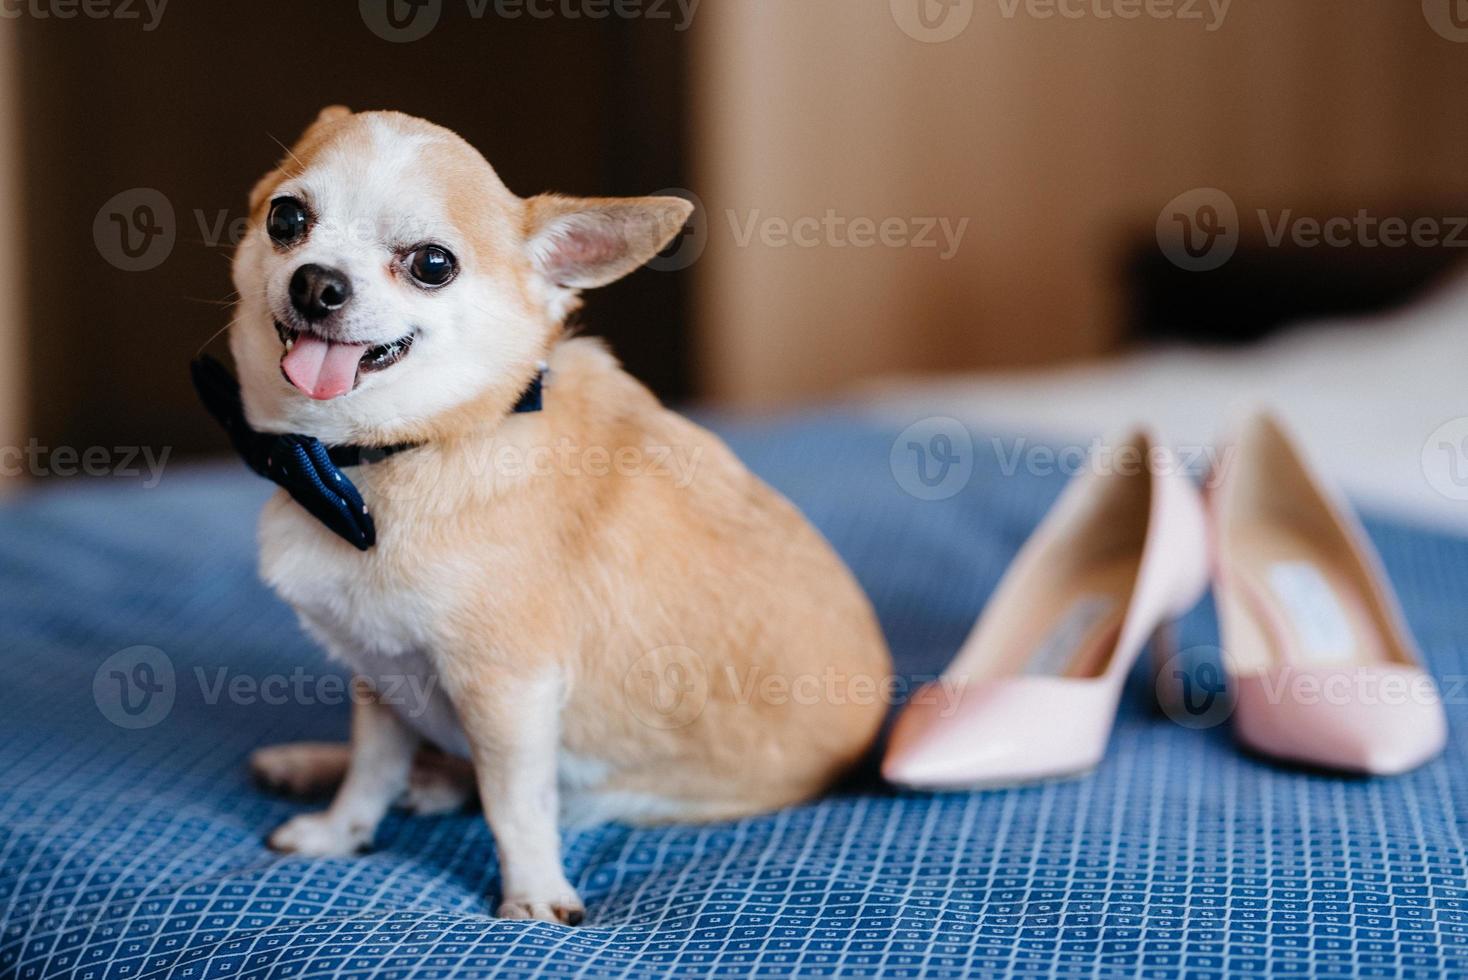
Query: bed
(131, 838)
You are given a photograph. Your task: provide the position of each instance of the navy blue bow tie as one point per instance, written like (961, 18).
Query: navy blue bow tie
(305, 468)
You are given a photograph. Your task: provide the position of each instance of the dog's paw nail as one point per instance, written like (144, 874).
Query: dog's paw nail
(513, 910)
(566, 912)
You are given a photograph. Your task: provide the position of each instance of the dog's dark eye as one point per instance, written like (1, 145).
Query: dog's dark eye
(287, 220)
(431, 265)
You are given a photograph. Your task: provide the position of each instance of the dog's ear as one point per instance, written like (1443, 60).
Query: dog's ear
(330, 114)
(582, 243)
(323, 119)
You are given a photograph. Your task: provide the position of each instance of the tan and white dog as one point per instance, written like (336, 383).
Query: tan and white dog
(600, 636)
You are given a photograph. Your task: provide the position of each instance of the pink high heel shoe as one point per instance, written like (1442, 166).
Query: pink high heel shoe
(1033, 693)
(1323, 669)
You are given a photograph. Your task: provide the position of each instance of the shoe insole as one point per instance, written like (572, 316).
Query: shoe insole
(1300, 606)
(1075, 633)
(1080, 630)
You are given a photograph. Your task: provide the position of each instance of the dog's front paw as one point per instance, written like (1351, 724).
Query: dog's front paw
(565, 908)
(320, 835)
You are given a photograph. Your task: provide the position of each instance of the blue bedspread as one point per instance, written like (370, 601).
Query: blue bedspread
(138, 851)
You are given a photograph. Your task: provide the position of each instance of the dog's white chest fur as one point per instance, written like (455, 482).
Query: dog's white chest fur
(369, 618)
(355, 606)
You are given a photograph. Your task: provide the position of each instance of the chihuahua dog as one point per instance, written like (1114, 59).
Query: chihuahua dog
(595, 634)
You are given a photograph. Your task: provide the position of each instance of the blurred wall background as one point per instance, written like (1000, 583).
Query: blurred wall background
(1060, 130)
(14, 392)
(887, 186)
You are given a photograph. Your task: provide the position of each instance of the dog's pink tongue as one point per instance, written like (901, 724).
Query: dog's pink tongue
(320, 368)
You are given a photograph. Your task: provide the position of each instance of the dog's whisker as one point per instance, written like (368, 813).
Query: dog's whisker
(215, 336)
(494, 317)
(289, 152)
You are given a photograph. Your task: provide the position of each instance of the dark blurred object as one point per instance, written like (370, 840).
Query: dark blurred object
(1261, 289)
(193, 109)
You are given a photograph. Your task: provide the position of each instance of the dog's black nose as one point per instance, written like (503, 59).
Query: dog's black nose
(317, 291)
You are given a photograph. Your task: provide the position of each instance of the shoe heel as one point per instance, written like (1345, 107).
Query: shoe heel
(1162, 650)
(1188, 685)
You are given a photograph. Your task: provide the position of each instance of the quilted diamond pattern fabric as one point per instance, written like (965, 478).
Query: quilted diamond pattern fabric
(144, 661)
